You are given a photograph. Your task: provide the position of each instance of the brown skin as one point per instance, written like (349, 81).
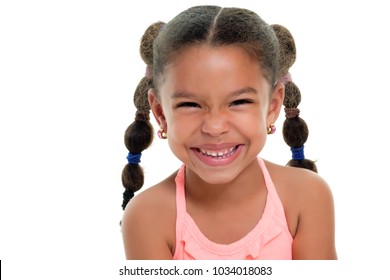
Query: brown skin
(216, 196)
(306, 198)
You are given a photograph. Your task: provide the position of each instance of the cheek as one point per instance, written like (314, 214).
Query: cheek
(253, 129)
(181, 128)
(253, 120)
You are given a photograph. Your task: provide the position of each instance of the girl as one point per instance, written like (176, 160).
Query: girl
(215, 83)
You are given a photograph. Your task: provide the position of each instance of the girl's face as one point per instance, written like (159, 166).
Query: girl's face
(215, 105)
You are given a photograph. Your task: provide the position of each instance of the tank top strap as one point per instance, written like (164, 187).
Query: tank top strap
(180, 200)
(180, 189)
(272, 193)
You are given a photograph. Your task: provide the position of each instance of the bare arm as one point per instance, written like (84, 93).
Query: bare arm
(315, 236)
(144, 230)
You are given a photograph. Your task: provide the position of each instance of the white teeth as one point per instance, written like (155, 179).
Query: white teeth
(223, 153)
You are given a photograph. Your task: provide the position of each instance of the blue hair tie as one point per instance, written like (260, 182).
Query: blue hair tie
(134, 158)
(297, 153)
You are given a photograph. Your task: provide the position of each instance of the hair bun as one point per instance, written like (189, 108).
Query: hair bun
(146, 48)
(292, 95)
(141, 94)
(286, 47)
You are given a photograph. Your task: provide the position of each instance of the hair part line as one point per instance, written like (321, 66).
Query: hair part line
(212, 29)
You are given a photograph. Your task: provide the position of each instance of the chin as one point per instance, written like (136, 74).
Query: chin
(213, 178)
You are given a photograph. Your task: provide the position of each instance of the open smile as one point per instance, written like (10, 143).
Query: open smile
(217, 156)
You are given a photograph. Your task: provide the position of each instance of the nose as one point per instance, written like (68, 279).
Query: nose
(215, 124)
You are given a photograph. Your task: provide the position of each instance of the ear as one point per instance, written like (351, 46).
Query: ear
(156, 107)
(275, 104)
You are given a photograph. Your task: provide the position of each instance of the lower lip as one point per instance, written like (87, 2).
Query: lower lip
(218, 161)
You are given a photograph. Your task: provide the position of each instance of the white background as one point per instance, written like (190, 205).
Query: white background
(68, 70)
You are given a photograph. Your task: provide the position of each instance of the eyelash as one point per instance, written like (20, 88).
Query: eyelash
(187, 104)
(234, 103)
(241, 102)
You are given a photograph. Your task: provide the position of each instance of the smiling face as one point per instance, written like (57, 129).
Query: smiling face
(215, 105)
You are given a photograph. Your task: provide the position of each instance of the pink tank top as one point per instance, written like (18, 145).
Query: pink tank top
(269, 240)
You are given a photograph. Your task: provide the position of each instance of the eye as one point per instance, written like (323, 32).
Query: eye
(187, 104)
(241, 102)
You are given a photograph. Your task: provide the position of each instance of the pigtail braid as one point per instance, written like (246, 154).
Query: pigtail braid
(139, 134)
(295, 129)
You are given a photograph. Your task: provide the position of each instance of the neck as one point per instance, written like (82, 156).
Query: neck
(249, 181)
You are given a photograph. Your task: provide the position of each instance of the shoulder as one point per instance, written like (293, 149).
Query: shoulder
(300, 184)
(148, 222)
(308, 203)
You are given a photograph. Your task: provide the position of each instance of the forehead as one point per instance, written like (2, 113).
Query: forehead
(211, 56)
(204, 68)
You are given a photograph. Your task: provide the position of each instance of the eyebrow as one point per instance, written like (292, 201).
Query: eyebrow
(189, 95)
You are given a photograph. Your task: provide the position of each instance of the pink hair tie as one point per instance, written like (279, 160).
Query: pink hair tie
(149, 72)
(286, 78)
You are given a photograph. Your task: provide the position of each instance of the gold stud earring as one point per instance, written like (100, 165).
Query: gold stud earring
(162, 134)
(271, 129)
